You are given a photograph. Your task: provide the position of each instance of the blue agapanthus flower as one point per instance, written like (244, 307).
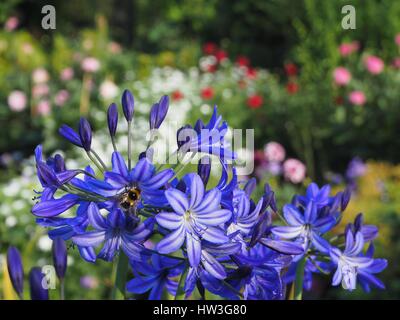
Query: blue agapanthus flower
(351, 262)
(155, 275)
(195, 216)
(187, 235)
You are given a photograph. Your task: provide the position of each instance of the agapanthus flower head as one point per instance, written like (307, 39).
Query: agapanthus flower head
(213, 236)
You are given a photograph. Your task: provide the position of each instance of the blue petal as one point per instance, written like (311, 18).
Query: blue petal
(193, 248)
(169, 220)
(215, 235)
(160, 179)
(89, 239)
(70, 134)
(119, 165)
(172, 242)
(196, 191)
(292, 215)
(210, 202)
(285, 247)
(178, 200)
(213, 218)
(287, 232)
(95, 218)
(53, 207)
(213, 266)
(143, 171)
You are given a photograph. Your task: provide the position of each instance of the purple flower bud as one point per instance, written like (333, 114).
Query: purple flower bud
(250, 186)
(128, 104)
(345, 198)
(59, 250)
(85, 133)
(204, 169)
(112, 118)
(70, 134)
(159, 112)
(36, 281)
(59, 163)
(15, 270)
(262, 226)
(46, 175)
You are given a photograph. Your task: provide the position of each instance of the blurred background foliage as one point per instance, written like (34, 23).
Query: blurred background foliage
(269, 65)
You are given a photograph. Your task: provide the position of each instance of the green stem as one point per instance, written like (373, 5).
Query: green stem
(113, 143)
(298, 282)
(95, 162)
(180, 292)
(62, 289)
(129, 145)
(118, 292)
(99, 159)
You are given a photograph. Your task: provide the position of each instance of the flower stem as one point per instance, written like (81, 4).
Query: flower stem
(298, 282)
(180, 292)
(118, 292)
(98, 165)
(62, 289)
(99, 159)
(129, 145)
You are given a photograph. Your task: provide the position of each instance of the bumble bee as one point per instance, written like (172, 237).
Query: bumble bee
(130, 198)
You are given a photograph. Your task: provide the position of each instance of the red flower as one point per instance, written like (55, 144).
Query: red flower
(209, 48)
(251, 73)
(255, 101)
(211, 68)
(207, 93)
(290, 69)
(177, 95)
(292, 87)
(243, 61)
(221, 55)
(339, 100)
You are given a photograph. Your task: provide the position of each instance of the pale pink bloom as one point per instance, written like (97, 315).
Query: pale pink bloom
(294, 170)
(40, 90)
(396, 62)
(90, 64)
(274, 152)
(374, 64)
(341, 76)
(43, 107)
(67, 74)
(357, 97)
(27, 48)
(61, 98)
(348, 48)
(17, 100)
(108, 90)
(89, 282)
(114, 47)
(40, 75)
(397, 39)
(11, 23)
